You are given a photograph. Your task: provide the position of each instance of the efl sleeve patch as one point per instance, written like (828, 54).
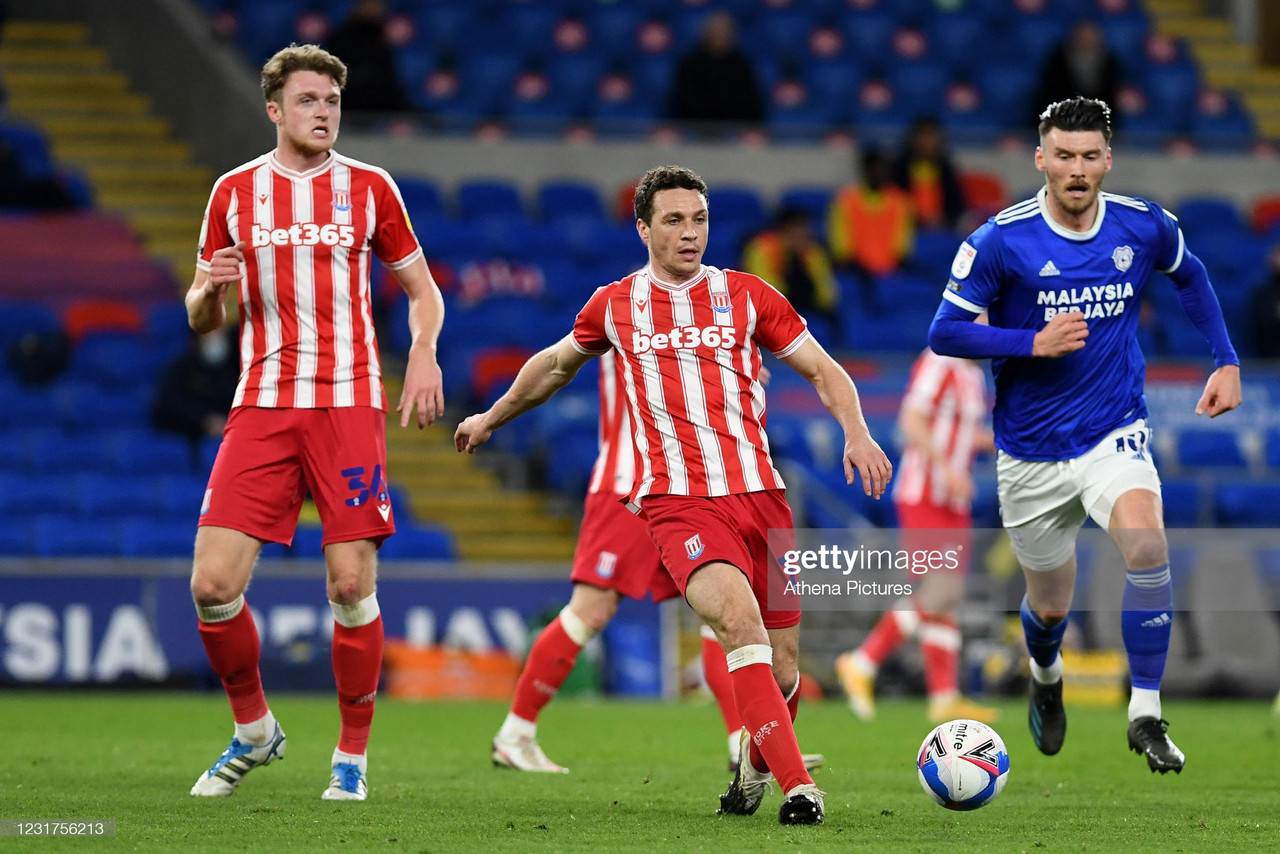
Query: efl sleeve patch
(963, 262)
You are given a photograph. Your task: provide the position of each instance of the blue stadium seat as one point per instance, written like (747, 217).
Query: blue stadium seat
(1198, 448)
(1246, 504)
(1182, 502)
(737, 205)
(449, 26)
(54, 452)
(1271, 447)
(148, 536)
(183, 496)
(815, 201)
(30, 149)
(68, 536)
(526, 28)
(1172, 89)
(1199, 214)
(920, 87)
(422, 197)
(1035, 36)
(1007, 91)
(149, 452)
(115, 359)
(306, 543)
(29, 409)
(867, 35)
(477, 199)
(418, 541)
(27, 495)
(957, 40)
(558, 200)
(783, 32)
(265, 26)
(614, 24)
(1222, 124)
(794, 112)
(19, 318)
(17, 536)
(113, 495)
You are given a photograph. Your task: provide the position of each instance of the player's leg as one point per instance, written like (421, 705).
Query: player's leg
(715, 669)
(1146, 621)
(240, 512)
(803, 804)
(550, 660)
(357, 661)
(224, 560)
(857, 668)
(343, 452)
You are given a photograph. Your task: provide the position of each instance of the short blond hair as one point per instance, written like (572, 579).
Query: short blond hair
(295, 57)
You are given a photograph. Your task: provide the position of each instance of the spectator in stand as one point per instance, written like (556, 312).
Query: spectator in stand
(715, 82)
(1081, 65)
(195, 391)
(924, 169)
(791, 258)
(870, 227)
(373, 83)
(1264, 317)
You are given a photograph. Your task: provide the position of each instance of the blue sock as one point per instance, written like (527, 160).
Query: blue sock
(1146, 623)
(1043, 642)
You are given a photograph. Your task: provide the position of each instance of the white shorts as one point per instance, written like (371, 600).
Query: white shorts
(1043, 504)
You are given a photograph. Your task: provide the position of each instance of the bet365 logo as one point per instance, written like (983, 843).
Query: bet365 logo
(684, 338)
(305, 234)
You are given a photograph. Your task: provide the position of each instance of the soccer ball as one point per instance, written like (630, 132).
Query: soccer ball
(963, 764)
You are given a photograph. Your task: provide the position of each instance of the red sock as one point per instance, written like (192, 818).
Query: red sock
(550, 661)
(793, 706)
(233, 649)
(768, 722)
(357, 662)
(716, 670)
(888, 634)
(940, 650)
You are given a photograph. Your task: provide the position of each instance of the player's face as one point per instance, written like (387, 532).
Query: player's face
(1074, 163)
(308, 113)
(676, 235)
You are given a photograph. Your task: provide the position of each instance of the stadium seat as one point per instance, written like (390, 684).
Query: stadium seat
(17, 537)
(147, 536)
(114, 495)
(1198, 448)
(23, 495)
(422, 196)
(985, 193)
(1182, 502)
(115, 359)
(306, 543)
(731, 205)
(558, 200)
(1007, 90)
(955, 39)
(477, 199)
(417, 541)
(867, 33)
(149, 452)
(1221, 122)
(264, 26)
(1198, 214)
(920, 87)
(1264, 214)
(1247, 504)
(68, 536)
(183, 496)
(30, 149)
(102, 315)
(19, 318)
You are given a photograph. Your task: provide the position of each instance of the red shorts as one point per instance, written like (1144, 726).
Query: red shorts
(691, 532)
(928, 527)
(614, 552)
(270, 458)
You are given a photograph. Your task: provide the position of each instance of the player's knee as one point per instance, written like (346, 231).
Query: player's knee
(208, 589)
(1052, 616)
(346, 590)
(786, 674)
(1146, 551)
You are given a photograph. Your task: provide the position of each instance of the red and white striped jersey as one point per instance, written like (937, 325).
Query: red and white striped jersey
(690, 365)
(614, 471)
(306, 321)
(952, 393)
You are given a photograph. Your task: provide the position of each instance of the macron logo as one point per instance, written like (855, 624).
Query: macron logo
(1049, 269)
(1156, 622)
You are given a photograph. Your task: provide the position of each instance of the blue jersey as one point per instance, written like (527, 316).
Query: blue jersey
(1023, 268)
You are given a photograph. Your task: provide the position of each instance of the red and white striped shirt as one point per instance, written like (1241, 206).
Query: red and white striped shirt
(615, 467)
(951, 392)
(691, 360)
(306, 321)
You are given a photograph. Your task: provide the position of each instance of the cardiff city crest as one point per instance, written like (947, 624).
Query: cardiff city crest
(1123, 258)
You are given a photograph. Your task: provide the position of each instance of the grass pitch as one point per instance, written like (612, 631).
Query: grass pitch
(645, 776)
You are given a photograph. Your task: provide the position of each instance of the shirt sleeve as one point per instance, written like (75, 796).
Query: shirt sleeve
(1170, 246)
(590, 336)
(394, 242)
(779, 327)
(974, 280)
(214, 232)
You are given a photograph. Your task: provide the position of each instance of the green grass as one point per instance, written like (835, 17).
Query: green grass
(645, 777)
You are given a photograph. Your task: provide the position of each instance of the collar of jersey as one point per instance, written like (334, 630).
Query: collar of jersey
(277, 166)
(1042, 201)
(702, 274)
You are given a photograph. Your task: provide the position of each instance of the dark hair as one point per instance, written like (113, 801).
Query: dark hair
(307, 57)
(663, 178)
(1077, 113)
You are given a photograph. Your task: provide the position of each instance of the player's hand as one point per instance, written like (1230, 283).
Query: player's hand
(862, 453)
(1063, 334)
(765, 375)
(423, 389)
(1221, 393)
(471, 434)
(224, 269)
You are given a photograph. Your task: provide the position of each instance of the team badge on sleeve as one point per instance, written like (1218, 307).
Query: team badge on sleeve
(1123, 257)
(963, 262)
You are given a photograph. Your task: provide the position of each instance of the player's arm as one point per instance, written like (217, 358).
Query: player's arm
(542, 376)
(953, 333)
(423, 382)
(839, 395)
(206, 300)
(914, 425)
(1222, 393)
